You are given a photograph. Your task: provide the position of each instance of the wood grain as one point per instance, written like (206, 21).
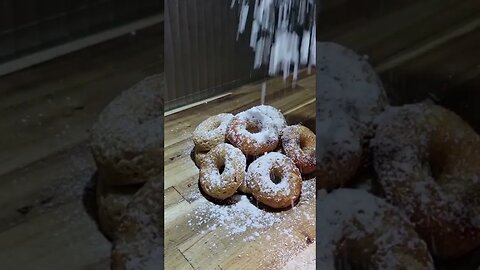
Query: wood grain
(47, 217)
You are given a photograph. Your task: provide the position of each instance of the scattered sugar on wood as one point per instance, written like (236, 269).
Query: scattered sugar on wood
(244, 222)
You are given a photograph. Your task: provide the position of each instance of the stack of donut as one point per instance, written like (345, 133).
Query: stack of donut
(280, 153)
(127, 145)
(424, 201)
(349, 96)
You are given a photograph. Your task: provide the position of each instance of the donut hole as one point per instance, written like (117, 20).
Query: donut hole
(276, 176)
(220, 164)
(252, 127)
(303, 143)
(221, 169)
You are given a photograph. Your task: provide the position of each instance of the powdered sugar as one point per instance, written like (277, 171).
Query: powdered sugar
(422, 166)
(234, 219)
(233, 160)
(278, 120)
(265, 125)
(243, 221)
(358, 215)
(274, 37)
(212, 129)
(349, 96)
(262, 167)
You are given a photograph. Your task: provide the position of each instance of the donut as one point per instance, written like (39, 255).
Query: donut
(111, 203)
(244, 188)
(138, 241)
(299, 144)
(349, 96)
(275, 115)
(211, 131)
(127, 139)
(222, 171)
(427, 160)
(263, 174)
(199, 156)
(253, 132)
(360, 231)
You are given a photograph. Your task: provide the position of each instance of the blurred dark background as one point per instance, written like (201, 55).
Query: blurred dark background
(426, 49)
(28, 26)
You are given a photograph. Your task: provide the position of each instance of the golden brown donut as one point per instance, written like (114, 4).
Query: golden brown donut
(127, 139)
(279, 121)
(111, 203)
(428, 163)
(222, 171)
(199, 156)
(299, 144)
(349, 96)
(138, 241)
(357, 230)
(211, 131)
(244, 187)
(253, 132)
(272, 167)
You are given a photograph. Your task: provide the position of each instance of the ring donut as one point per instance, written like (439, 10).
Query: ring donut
(199, 156)
(361, 231)
(111, 203)
(275, 115)
(428, 163)
(253, 132)
(272, 167)
(299, 144)
(349, 96)
(222, 171)
(211, 131)
(127, 139)
(138, 241)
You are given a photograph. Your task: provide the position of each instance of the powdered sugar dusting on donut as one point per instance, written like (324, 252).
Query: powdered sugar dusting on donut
(356, 215)
(233, 159)
(349, 96)
(261, 168)
(222, 184)
(411, 144)
(399, 158)
(212, 131)
(205, 130)
(267, 132)
(274, 114)
(299, 144)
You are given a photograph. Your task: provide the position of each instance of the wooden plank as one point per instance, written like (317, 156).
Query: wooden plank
(271, 250)
(71, 241)
(49, 108)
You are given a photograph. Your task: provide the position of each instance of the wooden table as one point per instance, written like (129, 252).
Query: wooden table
(187, 245)
(47, 218)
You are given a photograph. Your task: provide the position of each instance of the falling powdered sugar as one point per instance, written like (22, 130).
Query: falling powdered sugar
(275, 37)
